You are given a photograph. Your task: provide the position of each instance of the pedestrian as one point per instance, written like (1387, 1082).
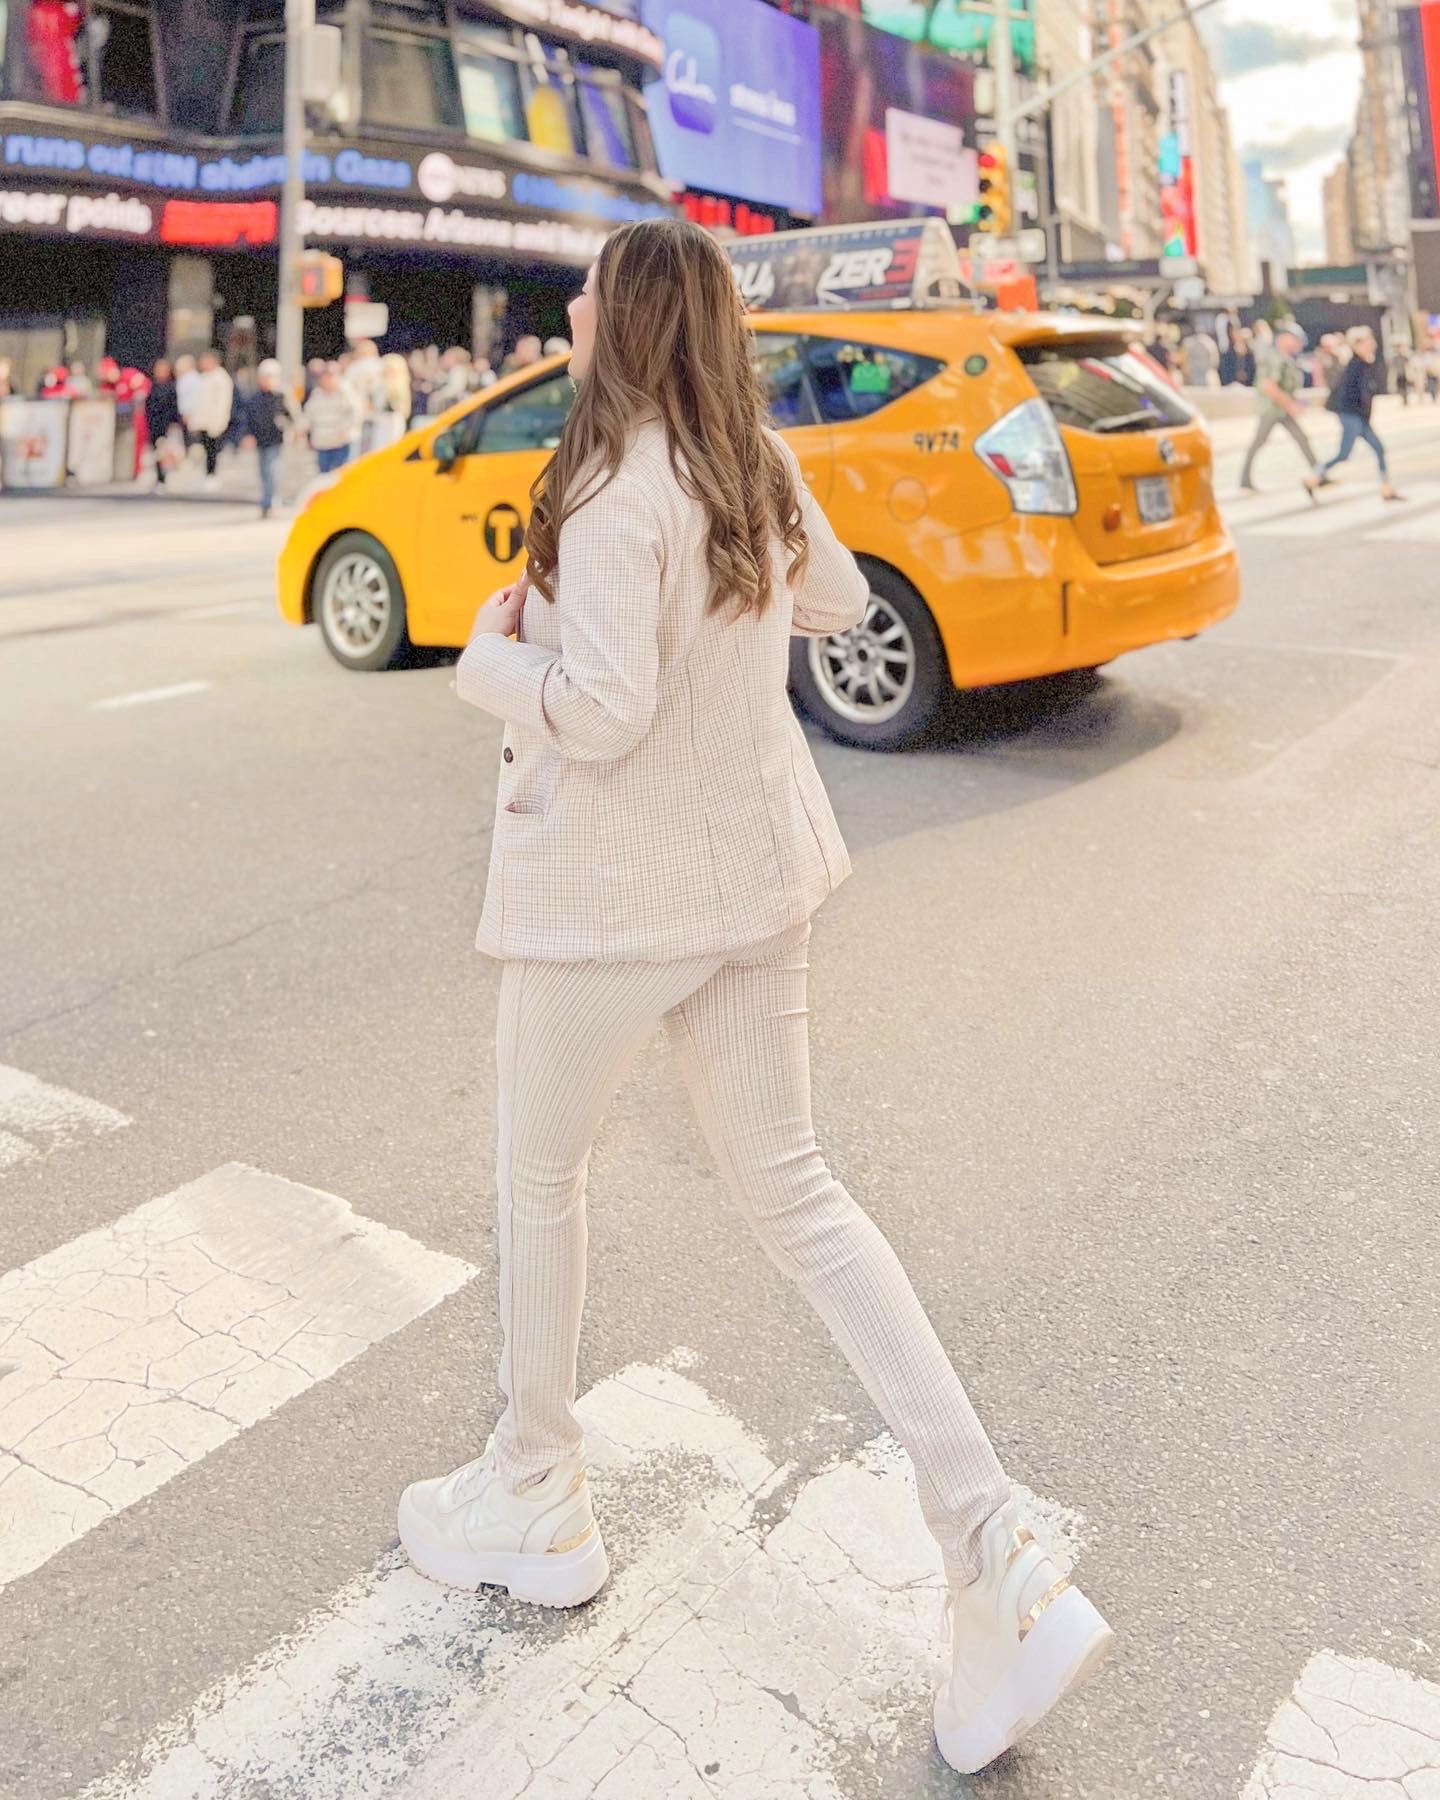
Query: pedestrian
(1278, 380)
(398, 397)
(6, 390)
(1245, 357)
(162, 416)
(661, 841)
(1352, 402)
(1402, 374)
(268, 419)
(1431, 367)
(211, 398)
(364, 376)
(527, 352)
(557, 346)
(332, 417)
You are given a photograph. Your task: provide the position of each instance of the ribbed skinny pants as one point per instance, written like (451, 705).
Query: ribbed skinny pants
(566, 1034)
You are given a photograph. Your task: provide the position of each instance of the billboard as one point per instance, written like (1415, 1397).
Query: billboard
(952, 26)
(1177, 174)
(736, 108)
(869, 77)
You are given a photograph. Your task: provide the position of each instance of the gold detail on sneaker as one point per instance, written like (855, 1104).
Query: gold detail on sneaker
(571, 1543)
(1021, 1536)
(1046, 1599)
(576, 1485)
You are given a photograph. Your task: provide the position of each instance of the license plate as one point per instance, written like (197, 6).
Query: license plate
(1156, 499)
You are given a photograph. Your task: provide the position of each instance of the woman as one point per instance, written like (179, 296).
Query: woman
(661, 841)
(1352, 400)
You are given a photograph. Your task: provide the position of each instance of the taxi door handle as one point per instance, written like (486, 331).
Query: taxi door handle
(469, 518)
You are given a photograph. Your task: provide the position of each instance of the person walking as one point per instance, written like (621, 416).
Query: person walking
(1430, 367)
(269, 416)
(1278, 380)
(211, 397)
(332, 417)
(661, 841)
(162, 417)
(1352, 401)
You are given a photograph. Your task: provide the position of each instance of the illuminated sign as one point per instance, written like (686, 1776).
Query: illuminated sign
(78, 215)
(611, 25)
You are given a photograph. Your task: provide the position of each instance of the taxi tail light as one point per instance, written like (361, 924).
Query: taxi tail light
(1025, 449)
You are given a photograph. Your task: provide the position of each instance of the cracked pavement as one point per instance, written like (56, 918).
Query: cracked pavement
(1124, 1031)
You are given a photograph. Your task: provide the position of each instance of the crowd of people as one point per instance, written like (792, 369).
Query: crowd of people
(194, 408)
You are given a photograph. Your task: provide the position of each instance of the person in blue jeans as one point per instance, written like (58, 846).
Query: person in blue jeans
(267, 418)
(332, 418)
(1354, 396)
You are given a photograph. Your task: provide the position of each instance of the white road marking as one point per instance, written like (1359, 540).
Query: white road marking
(1330, 520)
(145, 695)
(35, 1117)
(219, 609)
(133, 1351)
(1352, 1729)
(1407, 528)
(730, 1655)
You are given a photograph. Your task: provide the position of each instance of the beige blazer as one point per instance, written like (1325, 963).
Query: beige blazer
(657, 796)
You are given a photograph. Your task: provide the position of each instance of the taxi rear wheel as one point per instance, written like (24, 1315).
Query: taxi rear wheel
(360, 603)
(881, 685)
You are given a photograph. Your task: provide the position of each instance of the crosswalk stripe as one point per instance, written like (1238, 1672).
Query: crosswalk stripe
(1408, 528)
(696, 1672)
(130, 1353)
(147, 696)
(1330, 517)
(36, 1117)
(1352, 1729)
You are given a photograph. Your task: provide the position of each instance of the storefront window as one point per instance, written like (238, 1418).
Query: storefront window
(121, 57)
(551, 115)
(608, 135)
(259, 106)
(490, 87)
(410, 80)
(80, 53)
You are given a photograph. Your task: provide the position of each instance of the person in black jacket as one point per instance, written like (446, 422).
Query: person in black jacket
(268, 415)
(1354, 396)
(162, 414)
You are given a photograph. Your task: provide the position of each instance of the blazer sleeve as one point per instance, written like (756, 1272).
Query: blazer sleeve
(833, 594)
(595, 698)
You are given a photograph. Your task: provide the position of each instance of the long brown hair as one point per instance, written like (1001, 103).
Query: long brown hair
(671, 337)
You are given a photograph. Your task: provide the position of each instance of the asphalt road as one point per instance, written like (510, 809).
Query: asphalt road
(1125, 1031)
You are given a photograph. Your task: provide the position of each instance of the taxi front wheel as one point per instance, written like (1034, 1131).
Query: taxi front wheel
(360, 604)
(880, 685)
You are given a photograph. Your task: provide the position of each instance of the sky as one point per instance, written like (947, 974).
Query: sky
(1290, 77)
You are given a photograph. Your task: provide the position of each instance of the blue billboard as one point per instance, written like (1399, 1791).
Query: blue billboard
(736, 108)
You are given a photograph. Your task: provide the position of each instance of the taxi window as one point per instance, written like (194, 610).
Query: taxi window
(1103, 386)
(531, 419)
(854, 380)
(780, 363)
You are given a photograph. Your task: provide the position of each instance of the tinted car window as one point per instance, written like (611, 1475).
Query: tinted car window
(531, 419)
(1103, 386)
(854, 380)
(780, 364)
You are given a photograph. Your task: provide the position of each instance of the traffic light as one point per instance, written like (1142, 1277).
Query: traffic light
(994, 189)
(321, 278)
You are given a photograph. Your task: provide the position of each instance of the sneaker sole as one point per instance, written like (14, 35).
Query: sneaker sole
(1069, 1642)
(569, 1579)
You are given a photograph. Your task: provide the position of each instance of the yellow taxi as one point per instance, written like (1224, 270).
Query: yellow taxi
(1027, 494)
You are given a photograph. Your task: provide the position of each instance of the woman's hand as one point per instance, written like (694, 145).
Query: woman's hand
(500, 615)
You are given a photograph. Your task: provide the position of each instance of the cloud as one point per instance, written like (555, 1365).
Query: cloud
(1306, 145)
(1244, 48)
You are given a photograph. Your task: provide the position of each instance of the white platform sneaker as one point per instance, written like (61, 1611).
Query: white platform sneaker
(1024, 1637)
(543, 1545)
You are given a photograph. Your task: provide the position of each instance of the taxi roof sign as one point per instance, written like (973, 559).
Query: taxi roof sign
(891, 263)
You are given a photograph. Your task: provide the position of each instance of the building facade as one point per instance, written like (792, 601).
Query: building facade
(1339, 231)
(1129, 131)
(1272, 236)
(1203, 201)
(466, 167)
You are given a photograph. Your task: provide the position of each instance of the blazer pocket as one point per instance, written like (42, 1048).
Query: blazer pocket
(523, 809)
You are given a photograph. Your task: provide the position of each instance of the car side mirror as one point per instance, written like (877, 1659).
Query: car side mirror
(447, 451)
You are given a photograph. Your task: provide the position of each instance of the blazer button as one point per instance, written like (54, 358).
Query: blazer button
(509, 754)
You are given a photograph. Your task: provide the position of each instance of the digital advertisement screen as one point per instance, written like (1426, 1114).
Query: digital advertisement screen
(736, 108)
(952, 25)
(868, 80)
